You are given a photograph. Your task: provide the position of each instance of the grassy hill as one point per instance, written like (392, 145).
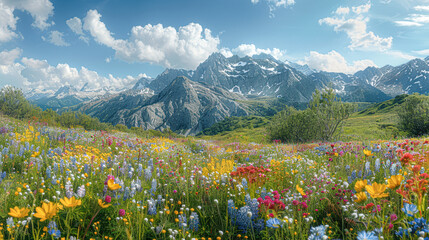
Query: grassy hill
(372, 121)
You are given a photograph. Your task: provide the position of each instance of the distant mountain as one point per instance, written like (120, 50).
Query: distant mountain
(349, 87)
(411, 77)
(142, 83)
(264, 76)
(165, 78)
(184, 106)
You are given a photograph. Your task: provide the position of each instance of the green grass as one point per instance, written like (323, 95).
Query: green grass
(373, 121)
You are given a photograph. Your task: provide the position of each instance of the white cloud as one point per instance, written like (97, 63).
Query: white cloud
(9, 57)
(399, 54)
(226, 52)
(415, 19)
(75, 24)
(355, 26)
(183, 48)
(342, 10)
(274, 4)
(408, 24)
(37, 74)
(422, 8)
(40, 10)
(251, 49)
(335, 62)
(362, 8)
(424, 52)
(56, 38)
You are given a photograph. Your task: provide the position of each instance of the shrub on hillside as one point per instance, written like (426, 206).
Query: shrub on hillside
(322, 120)
(414, 115)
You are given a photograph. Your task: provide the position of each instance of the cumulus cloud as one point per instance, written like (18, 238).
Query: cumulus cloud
(342, 10)
(36, 74)
(274, 4)
(183, 48)
(40, 10)
(251, 49)
(9, 57)
(75, 24)
(56, 38)
(355, 26)
(335, 62)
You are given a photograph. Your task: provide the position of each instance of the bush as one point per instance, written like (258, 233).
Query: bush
(414, 115)
(322, 120)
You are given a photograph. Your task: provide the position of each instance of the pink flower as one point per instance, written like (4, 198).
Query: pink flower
(107, 199)
(121, 212)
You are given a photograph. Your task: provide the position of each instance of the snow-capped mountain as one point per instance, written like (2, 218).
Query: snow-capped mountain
(264, 76)
(67, 96)
(410, 77)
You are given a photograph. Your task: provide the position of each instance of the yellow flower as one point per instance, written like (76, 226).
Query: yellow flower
(19, 212)
(102, 204)
(361, 197)
(300, 190)
(360, 185)
(394, 181)
(367, 152)
(70, 202)
(112, 185)
(47, 211)
(377, 190)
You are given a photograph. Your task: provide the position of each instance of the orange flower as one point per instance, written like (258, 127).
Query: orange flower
(300, 190)
(70, 202)
(377, 190)
(361, 197)
(19, 212)
(360, 185)
(102, 204)
(112, 185)
(47, 211)
(394, 181)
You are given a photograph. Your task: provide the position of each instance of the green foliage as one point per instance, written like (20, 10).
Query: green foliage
(414, 115)
(13, 103)
(386, 106)
(235, 123)
(322, 120)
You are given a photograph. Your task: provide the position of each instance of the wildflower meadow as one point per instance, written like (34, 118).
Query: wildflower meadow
(74, 184)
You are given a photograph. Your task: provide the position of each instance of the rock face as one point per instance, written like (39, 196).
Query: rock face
(184, 106)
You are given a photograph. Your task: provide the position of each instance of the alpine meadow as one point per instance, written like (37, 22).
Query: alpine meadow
(204, 120)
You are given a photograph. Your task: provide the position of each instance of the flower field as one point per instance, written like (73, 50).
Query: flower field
(73, 184)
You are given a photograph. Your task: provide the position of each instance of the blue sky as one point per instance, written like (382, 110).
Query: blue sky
(45, 44)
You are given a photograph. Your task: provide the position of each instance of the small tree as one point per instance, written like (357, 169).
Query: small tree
(414, 115)
(322, 120)
(330, 113)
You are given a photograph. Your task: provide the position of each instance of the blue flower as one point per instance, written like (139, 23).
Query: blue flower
(317, 233)
(409, 209)
(364, 235)
(274, 223)
(194, 221)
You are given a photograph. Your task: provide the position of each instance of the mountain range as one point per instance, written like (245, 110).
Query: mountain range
(190, 100)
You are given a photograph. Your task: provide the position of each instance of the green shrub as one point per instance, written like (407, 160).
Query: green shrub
(414, 115)
(322, 120)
